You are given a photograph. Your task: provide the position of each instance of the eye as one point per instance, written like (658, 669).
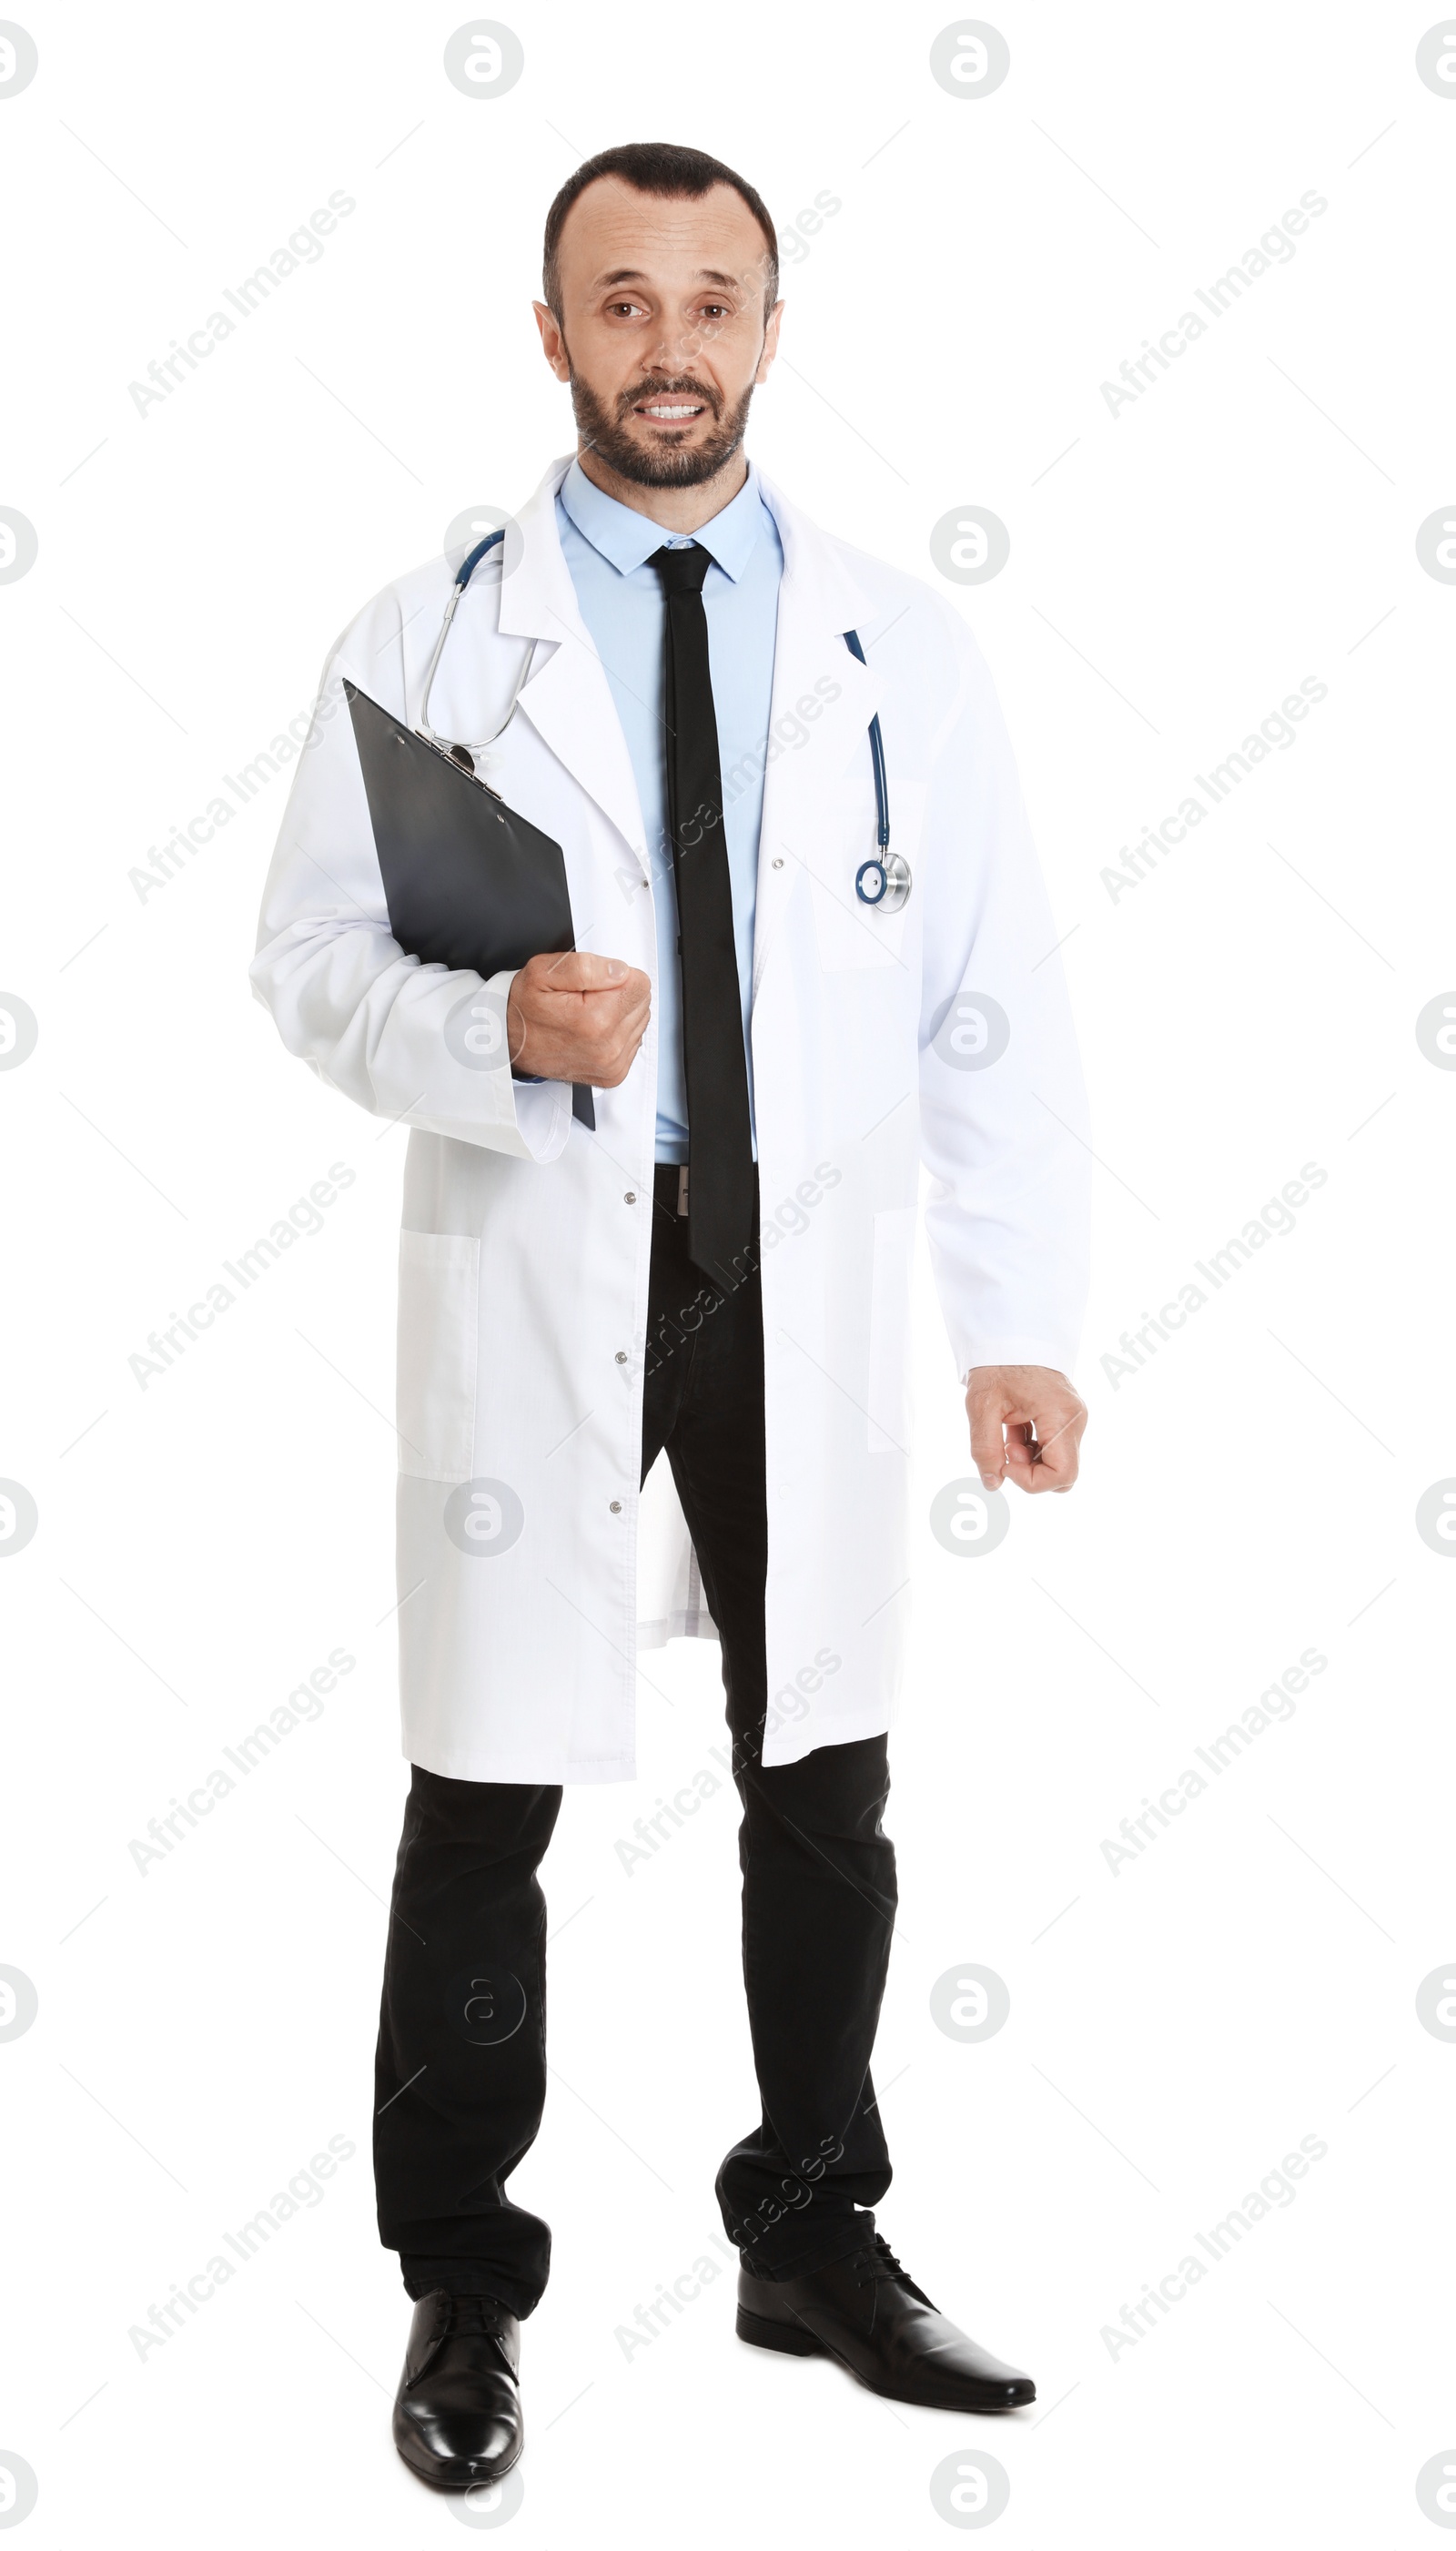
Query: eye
(717, 310)
(624, 309)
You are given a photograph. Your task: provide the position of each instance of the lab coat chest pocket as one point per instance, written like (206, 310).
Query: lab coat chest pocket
(439, 1342)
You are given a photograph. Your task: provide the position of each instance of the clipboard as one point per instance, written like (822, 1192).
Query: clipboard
(470, 883)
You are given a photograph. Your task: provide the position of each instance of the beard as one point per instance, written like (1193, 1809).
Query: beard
(671, 461)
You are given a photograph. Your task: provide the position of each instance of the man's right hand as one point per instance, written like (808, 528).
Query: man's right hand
(576, 1017)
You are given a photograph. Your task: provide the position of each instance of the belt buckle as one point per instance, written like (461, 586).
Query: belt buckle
(682, 1192)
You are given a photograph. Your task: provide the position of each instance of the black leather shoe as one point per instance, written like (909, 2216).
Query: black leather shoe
(865, 2312)
(458, 2411)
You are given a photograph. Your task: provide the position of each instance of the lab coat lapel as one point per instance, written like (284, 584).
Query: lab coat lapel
(568, 698)
(818, 600)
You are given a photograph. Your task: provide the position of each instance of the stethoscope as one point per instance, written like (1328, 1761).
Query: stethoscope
(465, 753)
(883, 882)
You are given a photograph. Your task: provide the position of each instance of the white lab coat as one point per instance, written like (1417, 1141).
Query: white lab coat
(525, 1247)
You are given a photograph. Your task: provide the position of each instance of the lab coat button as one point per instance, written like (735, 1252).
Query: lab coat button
(621, 1357)
(630, 1196)
(616, 1506)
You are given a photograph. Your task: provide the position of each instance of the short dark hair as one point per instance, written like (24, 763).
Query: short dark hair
(656, 168)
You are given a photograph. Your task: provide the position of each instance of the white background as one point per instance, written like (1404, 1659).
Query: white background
(1175, 572)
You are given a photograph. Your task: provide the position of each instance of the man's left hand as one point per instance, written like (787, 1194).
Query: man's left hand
(1043, 1420)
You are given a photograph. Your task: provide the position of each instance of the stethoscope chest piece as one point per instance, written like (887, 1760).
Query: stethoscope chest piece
(884, 882)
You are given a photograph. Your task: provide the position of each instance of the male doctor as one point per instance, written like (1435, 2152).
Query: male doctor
(718, 1269)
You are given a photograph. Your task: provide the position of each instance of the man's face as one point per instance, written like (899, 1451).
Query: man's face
(661, 331)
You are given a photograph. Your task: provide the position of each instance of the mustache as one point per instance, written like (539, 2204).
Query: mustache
(679, 387)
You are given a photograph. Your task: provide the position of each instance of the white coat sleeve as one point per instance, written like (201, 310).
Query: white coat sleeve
(1003, 1109)
(423, 1045)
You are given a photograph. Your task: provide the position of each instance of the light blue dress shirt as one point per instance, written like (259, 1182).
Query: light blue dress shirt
(606, 546)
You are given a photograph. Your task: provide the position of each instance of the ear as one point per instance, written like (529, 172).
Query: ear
(771, 343)
(553, 342)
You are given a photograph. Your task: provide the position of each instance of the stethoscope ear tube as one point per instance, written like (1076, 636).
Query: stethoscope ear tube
(884, 882)
(465, 753)
(469, 565)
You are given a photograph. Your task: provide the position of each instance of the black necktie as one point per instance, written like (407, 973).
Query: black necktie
(720, 1181)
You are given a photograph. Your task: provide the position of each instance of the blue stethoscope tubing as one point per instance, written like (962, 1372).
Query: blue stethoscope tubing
(465, 752)
(883, 882)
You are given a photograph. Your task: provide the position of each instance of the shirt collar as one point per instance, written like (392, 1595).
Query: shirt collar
(627, 539)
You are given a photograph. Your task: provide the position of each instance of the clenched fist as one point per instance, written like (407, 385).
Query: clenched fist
(1026, 1424)
(576, 1017)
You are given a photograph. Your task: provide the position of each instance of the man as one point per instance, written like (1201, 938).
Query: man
(717, 1267)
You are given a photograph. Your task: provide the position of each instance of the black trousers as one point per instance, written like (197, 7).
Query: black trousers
(461, 2068)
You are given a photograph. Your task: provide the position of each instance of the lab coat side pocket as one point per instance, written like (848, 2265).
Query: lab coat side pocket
(438, 1345)
(888, 1394)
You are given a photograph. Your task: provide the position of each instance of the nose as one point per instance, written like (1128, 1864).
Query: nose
(677, 347)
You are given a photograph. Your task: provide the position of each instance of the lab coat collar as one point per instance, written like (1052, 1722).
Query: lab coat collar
(821, 585)
(538, 601)
(626, 540)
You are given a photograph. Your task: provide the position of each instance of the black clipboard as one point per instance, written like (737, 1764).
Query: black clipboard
(470, 883)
